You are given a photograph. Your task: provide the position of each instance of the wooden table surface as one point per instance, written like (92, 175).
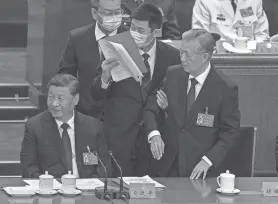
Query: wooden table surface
(178, 190)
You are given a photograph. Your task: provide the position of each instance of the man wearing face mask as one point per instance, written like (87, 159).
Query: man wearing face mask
(170, 28)
(127, 99)
(82, 55)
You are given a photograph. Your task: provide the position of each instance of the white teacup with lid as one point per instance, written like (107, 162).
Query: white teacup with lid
(68, 183)
(240, 42)
(226, 181)
(46, 183)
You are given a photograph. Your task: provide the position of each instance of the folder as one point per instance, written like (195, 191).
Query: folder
(123, 47)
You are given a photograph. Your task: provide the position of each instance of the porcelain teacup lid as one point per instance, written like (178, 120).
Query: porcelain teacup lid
(227, 174)
(46, 176)
(69, 176)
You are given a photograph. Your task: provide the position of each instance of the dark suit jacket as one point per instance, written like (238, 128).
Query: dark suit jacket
(42, 146)
(124, 107)
(81, 58)
(170, 27)
(181, 135)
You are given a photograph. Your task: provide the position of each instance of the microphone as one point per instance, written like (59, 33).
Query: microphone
(103, 193)
(121, 194)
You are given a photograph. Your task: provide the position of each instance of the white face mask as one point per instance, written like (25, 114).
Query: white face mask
(111, 23)
(140, 39)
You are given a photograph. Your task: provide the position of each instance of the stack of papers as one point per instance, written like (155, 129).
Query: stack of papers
(36, 184)
(88, 184)
(20, 191)
(123, 48)
(144, 179)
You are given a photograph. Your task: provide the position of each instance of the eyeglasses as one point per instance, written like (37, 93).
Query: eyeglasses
(111, 13)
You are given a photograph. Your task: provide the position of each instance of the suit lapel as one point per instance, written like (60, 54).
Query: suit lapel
(53, 132)
(226, 6)
(92, 46)
(176, 90)
(78, 142)
(206, 92)
(158, 64)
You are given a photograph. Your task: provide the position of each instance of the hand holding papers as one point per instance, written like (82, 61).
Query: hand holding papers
(123, 48)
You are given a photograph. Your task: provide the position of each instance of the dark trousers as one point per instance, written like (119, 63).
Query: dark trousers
(174, 170)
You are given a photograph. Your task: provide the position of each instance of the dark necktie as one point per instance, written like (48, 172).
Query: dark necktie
(191, 94)
(147, 77)
(234, 5)
(67, 146)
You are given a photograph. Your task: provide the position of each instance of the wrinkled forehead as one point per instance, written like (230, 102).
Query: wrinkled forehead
(190, 46)
(110, 4)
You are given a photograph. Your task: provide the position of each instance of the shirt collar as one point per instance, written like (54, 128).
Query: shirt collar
(202, 77)
(151, 51)
(99, 34)
(70, 122)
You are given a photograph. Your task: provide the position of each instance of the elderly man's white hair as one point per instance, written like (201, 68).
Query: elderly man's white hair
(95, 3)
(204, 40)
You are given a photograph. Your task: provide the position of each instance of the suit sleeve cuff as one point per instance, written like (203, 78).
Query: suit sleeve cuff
(104, 85)
(152, 134)
(207, 160)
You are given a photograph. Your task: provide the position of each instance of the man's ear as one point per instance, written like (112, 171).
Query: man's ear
(157, 33)
(76, 99)
(94, 13)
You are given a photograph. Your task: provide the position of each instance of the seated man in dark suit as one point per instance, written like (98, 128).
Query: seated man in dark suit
(82, 55)
(127, 99)
(203, 117)
(170, 27)
(59, 139)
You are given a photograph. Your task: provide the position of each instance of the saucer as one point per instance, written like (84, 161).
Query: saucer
(229, 47)
(53, 192)
(225, 192)
(74, 193)
(19, 191)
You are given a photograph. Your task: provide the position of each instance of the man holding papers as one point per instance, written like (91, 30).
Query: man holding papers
(127, 98)
(61, 139)
(82, 55)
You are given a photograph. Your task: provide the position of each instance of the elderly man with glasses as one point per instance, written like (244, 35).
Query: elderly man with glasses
(203, 116)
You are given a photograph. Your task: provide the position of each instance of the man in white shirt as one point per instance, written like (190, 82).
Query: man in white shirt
(232, 18)
(60, 139)
(203, 116)
(82, 56)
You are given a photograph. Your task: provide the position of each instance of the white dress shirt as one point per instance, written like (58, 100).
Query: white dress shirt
(201, 80)
(72, 142)
(151, 60)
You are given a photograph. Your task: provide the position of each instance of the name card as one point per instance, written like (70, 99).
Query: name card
(270, 188)
(142, 190)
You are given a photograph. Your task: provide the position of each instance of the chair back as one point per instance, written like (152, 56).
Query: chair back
(10, 168)
(240, 159)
